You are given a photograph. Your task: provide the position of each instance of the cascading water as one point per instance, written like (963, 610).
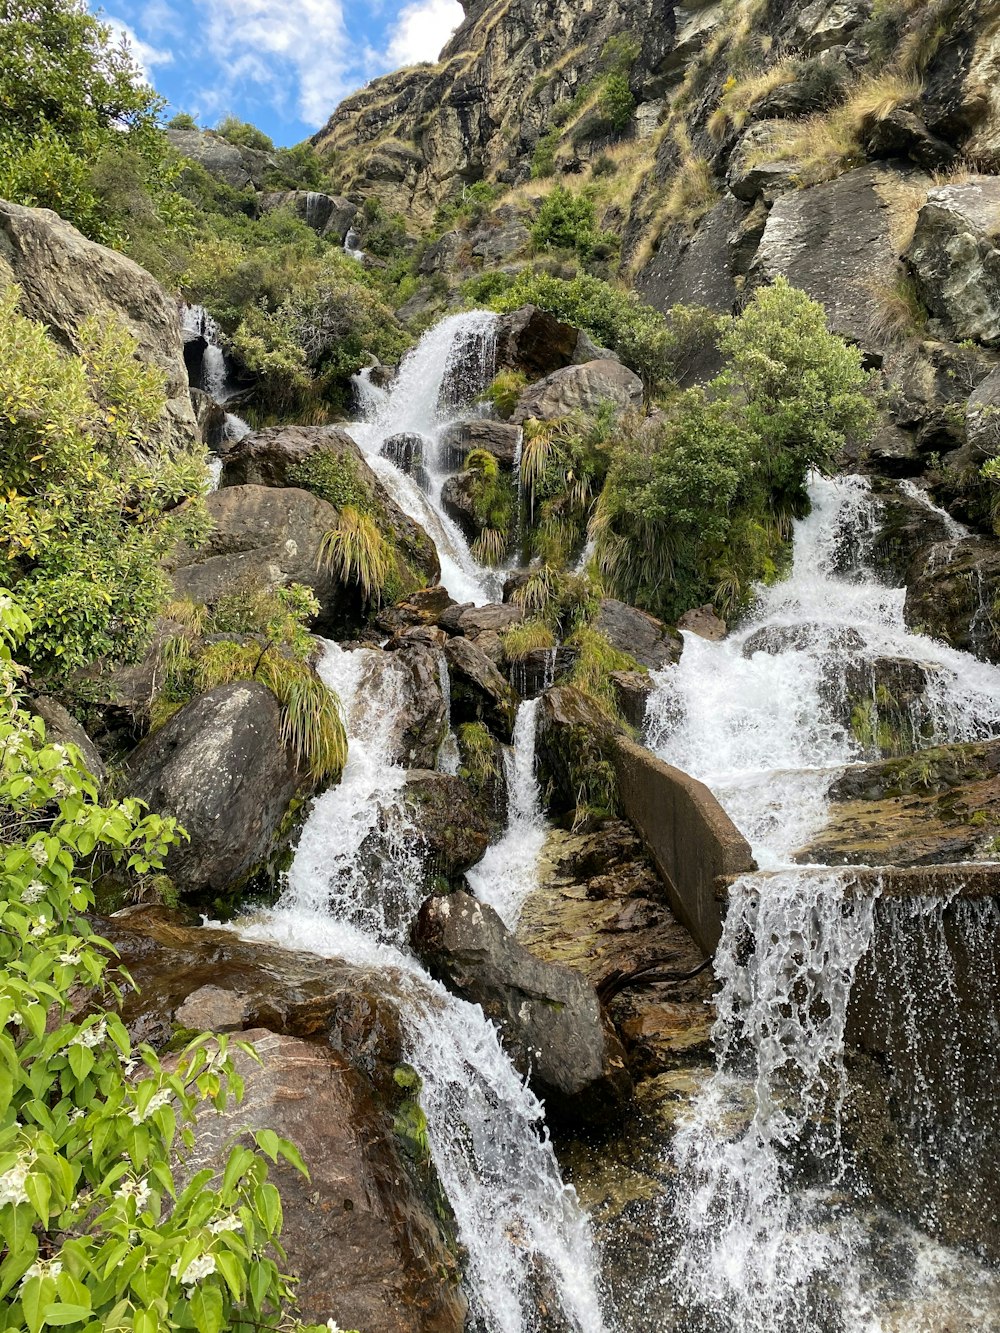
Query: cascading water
(438, 381)
(766, 1236)
(356, 882)
(508, 872)
(215, 379)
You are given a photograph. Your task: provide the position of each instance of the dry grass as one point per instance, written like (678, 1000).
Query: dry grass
(740, 97)
(898, 314)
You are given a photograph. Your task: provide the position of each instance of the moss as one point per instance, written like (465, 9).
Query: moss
(597, 659)
(334, 478)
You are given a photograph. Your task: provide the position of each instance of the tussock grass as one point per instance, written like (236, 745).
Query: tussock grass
(740, 97)
(596, 660)
(357, 553)
(897, 311)
(520, 641)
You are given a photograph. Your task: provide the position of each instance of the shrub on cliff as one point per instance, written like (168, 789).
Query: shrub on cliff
(103, 1225)
(699, 503)
(87, 508)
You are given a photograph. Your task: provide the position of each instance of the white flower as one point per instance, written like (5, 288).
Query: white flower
(134, 1189)
(42, 1268)
(77, 1114)
(5, 603)
(157, 1100)
(196, 1269)
(60, 786)
(12, 1183)
(70, 959)
(34, 893)
(92, 1036)
(221, 1224)
(38, 854)
(333, 1326)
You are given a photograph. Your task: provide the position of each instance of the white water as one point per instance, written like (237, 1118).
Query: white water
(215, 380)
(353, 889)
(757, 1252)
(437, 384)
(352, 246)
(508, 873)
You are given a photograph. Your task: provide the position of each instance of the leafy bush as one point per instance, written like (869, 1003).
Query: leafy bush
(699, 505)
(617, 103)
(596, 659)
(567, 221)
(70, 91)
(543, 159)
(494, 502)
(98, 1232)
(88, 507)
(182, 121)
(244, 135)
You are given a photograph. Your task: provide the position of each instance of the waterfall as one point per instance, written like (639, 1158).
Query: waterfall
(215, 379)
(518, 1222)
(437, 383)
(762, 1231)
(508, 872)
(449, 759)
(352, 244)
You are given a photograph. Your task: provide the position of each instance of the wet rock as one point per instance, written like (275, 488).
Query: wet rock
(210, 420)
(409, 453)
(458, 500)
(955, 258)
(329, 215)
(62, 728)
(429, 635)
(419, 723)
(535, 673)
(499, 438)
(238, 167)
(632, 691)
(882, 702)
(648, 640)
(358, 1238)
(907, 525)
(222, 769)
(549, 1017)
(952, 590)
(581, 389)
(534, 342)
(271, 457)
(572, 752)
(65, 279)
(423, 607)
(777, 639)
(448, 822)
(937, 807)
(479, 693)
(704, 622)
(495, 617)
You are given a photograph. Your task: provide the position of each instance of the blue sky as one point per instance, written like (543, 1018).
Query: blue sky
(282, 64)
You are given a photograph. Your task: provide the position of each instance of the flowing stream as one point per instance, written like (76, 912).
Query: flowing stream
(766, 1236)
(437, 384)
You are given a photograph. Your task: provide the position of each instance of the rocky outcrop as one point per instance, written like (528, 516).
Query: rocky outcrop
(409, 453)
(449, 824)
(479, 693)
(419, 722)
(952, 589)
(549, 1017)
(458, 498)
(270, 457)
(424, 607)
(221, 767)
(62, 728)
(535, 343)
(329, 215)
(498, 438)
(648, 640)
(573, 747)
(955, 258)
(580, 389)
(358, 1239)
(65, 279)
(238, 167)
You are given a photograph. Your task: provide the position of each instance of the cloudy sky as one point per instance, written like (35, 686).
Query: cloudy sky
(282, 64)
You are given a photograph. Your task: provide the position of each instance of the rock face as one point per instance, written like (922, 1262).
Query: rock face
(956, 261)
(951, 593)
(572, 746)
(221, 768)
(270, 457)
(419, 724)
(448, 823)
(238, 167)
(630, 630)
(549, 1017)
(458, 499)
(358, 1239)
(64, 279)
(535, 343)
(329, 215)
(479, 693)
(496, 437)
(581, 389)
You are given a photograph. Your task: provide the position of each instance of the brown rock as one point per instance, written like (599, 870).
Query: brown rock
(704, 622)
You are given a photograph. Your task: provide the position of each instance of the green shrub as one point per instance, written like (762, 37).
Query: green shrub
(567, 221)
(334, 478)
(543, 159)
(105, 1224)
(494, 502)
(596, 659)
(88, 505)
(244, 135)
(504, 392)
(617, 103)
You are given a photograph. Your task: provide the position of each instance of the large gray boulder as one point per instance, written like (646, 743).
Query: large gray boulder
(580, 389)
(479, 693)
(359, 1239)
(956, 260)
(549, 1016)
(238, 167)
(270, 457)
(327, 214)
(498, 438)
(534, 342)
(64, 279)
(222, 768)
(652, 643)
(419, 721)
(982, 419)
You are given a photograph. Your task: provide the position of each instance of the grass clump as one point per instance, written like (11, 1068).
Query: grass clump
(504, 392)
(596, 659)
(358, 554)
(480, 763)
(494, 503)
(532, 636)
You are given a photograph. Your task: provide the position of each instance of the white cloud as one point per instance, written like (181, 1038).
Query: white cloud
(422, 30)
(265, 41)
(146, 56)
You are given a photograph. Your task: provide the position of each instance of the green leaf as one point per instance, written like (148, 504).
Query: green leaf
(206, 1306)
(232, 1271)
(67, 1314)
(145, 1321)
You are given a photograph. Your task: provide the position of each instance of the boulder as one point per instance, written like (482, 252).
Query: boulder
(883, 702)
(423, 607)
(908, 521)
(982, 419)
(549, 1017)
(210, 419)
(902, 133)
(833, 241)
(409, 453)
(221, 767)
(704, 622)
(499, 438)
(327, 214)
(894, 452)
(269, 457)
(358, 1239)
(534, 342)
(648, 640)
(952, 590)
(419, 721)
(749, 179)
(459, 503)
(499, 240)
(955, 259)
(62, 728)
(492, 618)
(64, 279)
(449, 823)
(582, 389)
(632, 692)
(822, 24)
(479, 693)
(238, 167)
